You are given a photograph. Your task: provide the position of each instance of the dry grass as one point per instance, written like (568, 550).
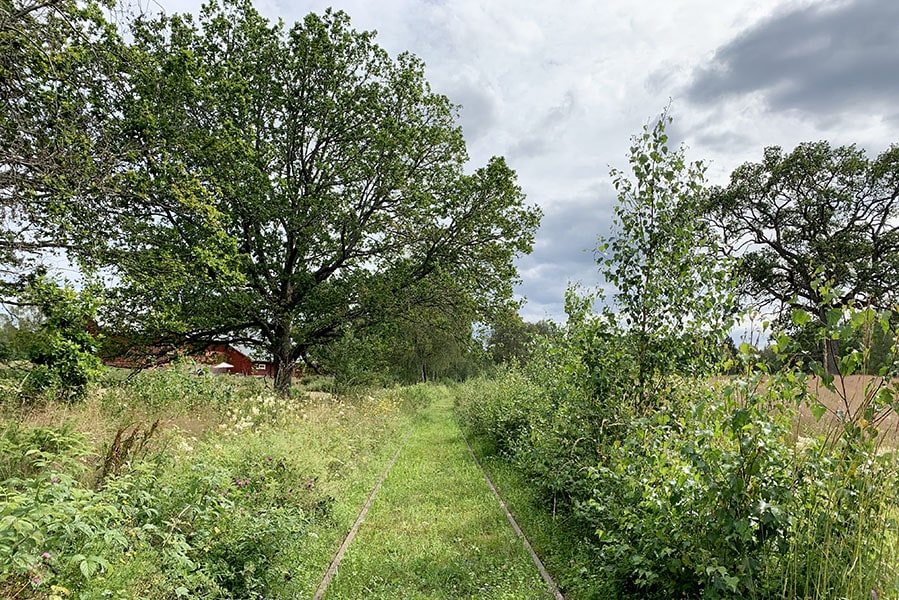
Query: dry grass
(852, 394)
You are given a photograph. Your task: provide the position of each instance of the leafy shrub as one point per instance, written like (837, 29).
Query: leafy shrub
(52, 528)
(63, 351)
(26, 452)
(702, 487)
(498, 409)
(416, 397)
(694, 504)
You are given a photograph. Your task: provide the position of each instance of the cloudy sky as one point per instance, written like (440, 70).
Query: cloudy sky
(559, 91)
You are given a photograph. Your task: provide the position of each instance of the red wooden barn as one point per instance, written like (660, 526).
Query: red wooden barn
(225, 358)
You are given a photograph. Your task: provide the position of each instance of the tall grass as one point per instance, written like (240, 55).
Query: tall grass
(174, 485)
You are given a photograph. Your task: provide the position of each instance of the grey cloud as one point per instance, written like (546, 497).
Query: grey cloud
(821, 58)
(564, 250)
(479, 110)
(559, 113)
(536, 142)
(529, 147)
(714, 133)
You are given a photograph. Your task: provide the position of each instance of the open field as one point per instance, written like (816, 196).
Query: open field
(852, 393)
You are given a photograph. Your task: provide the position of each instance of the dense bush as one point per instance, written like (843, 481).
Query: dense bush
(695, 501)
(499, 408)
(712, 492)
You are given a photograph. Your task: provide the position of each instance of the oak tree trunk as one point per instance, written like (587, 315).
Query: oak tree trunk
(283, 359)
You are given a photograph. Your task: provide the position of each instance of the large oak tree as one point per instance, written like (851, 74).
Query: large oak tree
(816, 229)
(283, 183)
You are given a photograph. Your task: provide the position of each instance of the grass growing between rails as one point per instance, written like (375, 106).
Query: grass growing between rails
(176, 486)
(557, 537)
(435, 530)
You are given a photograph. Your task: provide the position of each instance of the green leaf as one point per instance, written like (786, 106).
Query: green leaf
(818, 410)
(800, 317)
(88, 568)
(833, 316)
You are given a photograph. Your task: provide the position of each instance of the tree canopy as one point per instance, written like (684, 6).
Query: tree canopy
(58, 66)
(282, 183)
(816, 229)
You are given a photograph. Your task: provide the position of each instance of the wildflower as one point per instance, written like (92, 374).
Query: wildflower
(45, 556)
(54, 480)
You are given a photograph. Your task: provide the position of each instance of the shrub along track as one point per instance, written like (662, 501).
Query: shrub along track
(435, 531)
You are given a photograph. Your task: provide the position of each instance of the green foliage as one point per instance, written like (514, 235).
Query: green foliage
(696, 504)
(422, 344)
(512, 339)
(237, 514)
(62, 350)
(180, 386)
(663, 261)
(497, 408)
(51, 528)
(815, 214)
(712, 495)
(285, 183)
(17, 329)
(57, 71)
(716, 493)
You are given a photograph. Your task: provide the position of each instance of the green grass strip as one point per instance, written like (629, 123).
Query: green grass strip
(557, 594)
(332, 569)
(436, 531)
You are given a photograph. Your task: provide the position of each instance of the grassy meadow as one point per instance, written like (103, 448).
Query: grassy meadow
(167, 484)
(170, 485)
